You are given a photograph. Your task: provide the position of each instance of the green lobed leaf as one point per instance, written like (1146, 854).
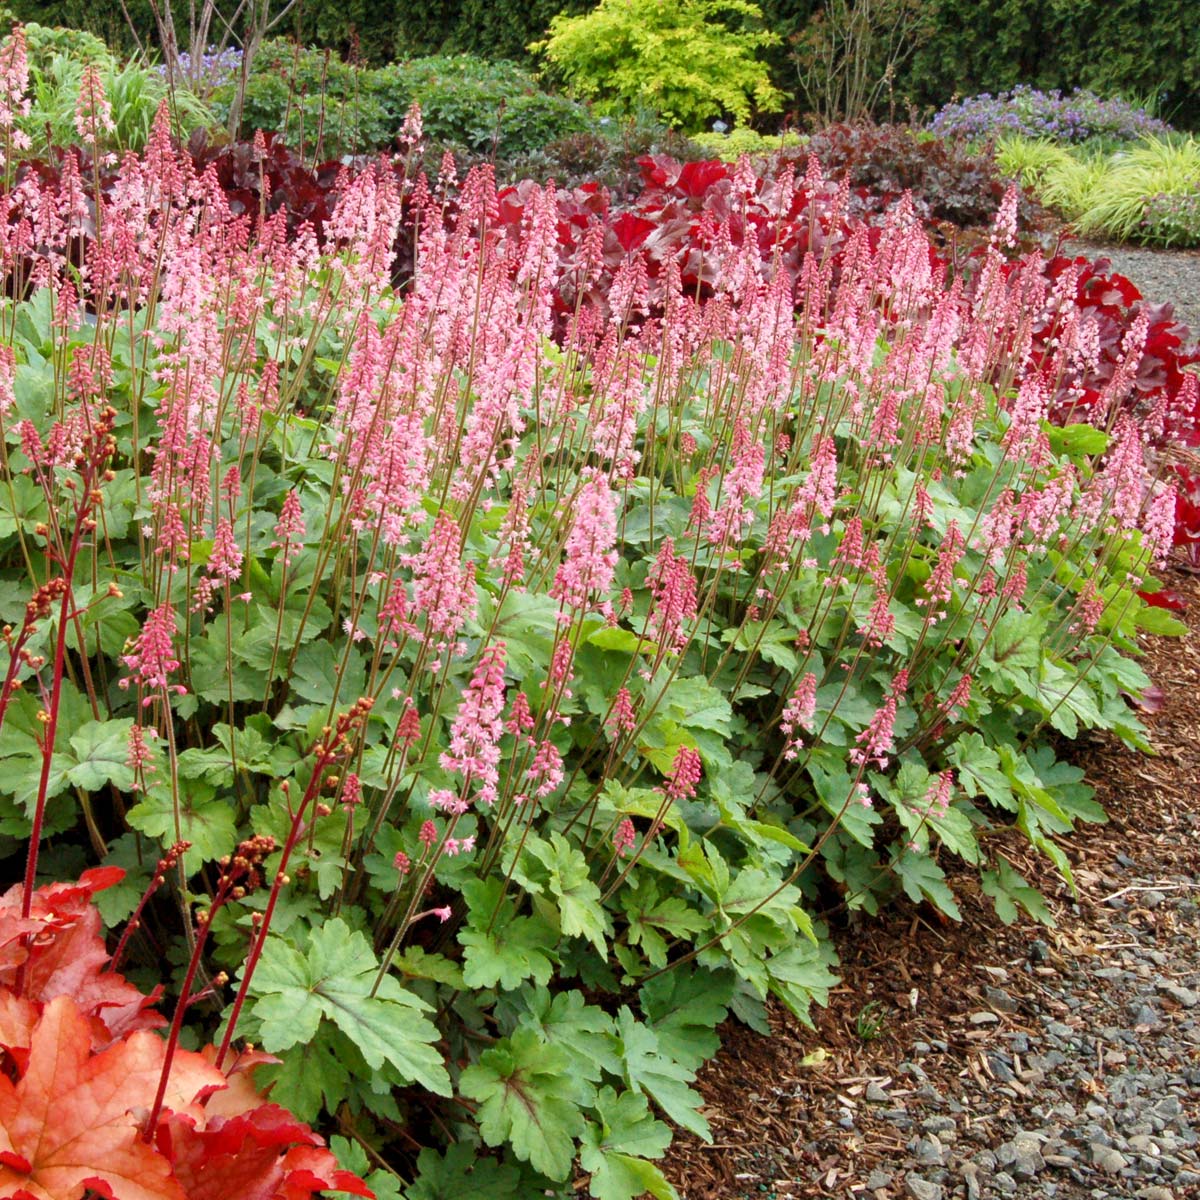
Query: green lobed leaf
(614, 1149)
(650, 1070)
(334, 980)
(528, 1099)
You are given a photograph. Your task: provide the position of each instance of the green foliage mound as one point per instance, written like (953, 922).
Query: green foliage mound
(316, 100)
(688, 60)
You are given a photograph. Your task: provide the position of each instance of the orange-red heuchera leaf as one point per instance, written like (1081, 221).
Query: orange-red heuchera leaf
(253, 1156)
(64, 955)
(71, 1122)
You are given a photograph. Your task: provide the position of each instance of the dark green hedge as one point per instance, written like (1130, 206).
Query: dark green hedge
(1138, 48)
(374, 31)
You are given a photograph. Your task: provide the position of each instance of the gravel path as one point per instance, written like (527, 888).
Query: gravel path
(1162, 276)
(1027, 1062)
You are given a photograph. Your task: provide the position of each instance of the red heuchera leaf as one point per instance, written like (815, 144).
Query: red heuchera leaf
(17, 1020)
(241, 1156)
(79, 1077)
(65, 955)
(1165, 598)
(240, 1095)
(68, 1125)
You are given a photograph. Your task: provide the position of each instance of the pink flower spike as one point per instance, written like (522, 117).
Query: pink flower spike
(624, 837)
(152, 658)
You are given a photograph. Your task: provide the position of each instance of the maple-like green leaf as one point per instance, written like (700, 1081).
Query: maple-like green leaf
(332, 980)
(205, 819)
(1008, 888)
(799, 976)
(658, 1076)
(505, 950)
(566, 1019)
(615, 1148)
(979, 770)
(312, 1077)
(529, 1099)
(565, 870)
(101, 749)
(461, 1174)
(923, 879)
(684, 1007)
(651, 915)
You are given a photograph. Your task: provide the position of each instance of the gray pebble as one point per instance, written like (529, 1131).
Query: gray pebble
(938, 1125)
(1183, 996)
(922, 1189)
(1108, 1159)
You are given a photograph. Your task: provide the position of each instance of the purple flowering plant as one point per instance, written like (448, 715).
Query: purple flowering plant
(1030, 112)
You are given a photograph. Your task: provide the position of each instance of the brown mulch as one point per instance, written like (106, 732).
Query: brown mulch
(775, 1120)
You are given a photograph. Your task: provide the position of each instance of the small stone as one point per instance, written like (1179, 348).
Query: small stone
(1039, 952)
(1002, 1181)
(921, 1047)
(970, 1174)
(1145, 1015)
(1152, 898)
(938, 1125)
(878, 1178)
(922, 1189)
(1108, 1159)
(1000, 1000)
(876, 1095)
(1183, 996)
(1155, 1192)
(930, 1152)
(1022, 1157)
(983, 1018)
(1000, 1068)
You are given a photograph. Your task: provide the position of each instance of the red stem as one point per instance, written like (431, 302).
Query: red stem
(260, 940)
(177, 1023)
(60, 650)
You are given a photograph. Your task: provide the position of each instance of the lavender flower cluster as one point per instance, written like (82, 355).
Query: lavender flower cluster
(1033, 113)
(214, 68)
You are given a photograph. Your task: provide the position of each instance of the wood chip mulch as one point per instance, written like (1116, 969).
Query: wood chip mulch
(775, 1119)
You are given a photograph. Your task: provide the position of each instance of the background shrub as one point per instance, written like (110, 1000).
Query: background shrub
(689, 60)
(949, 180)
(312, 97)
(57, 60)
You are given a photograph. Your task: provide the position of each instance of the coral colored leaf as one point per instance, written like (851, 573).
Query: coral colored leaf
(17, 1020)
(264, 1154)
(71, 1116)
(66, 955)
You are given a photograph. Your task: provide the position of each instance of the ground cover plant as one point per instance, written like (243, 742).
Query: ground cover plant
(1146, 192)
(486, 680)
